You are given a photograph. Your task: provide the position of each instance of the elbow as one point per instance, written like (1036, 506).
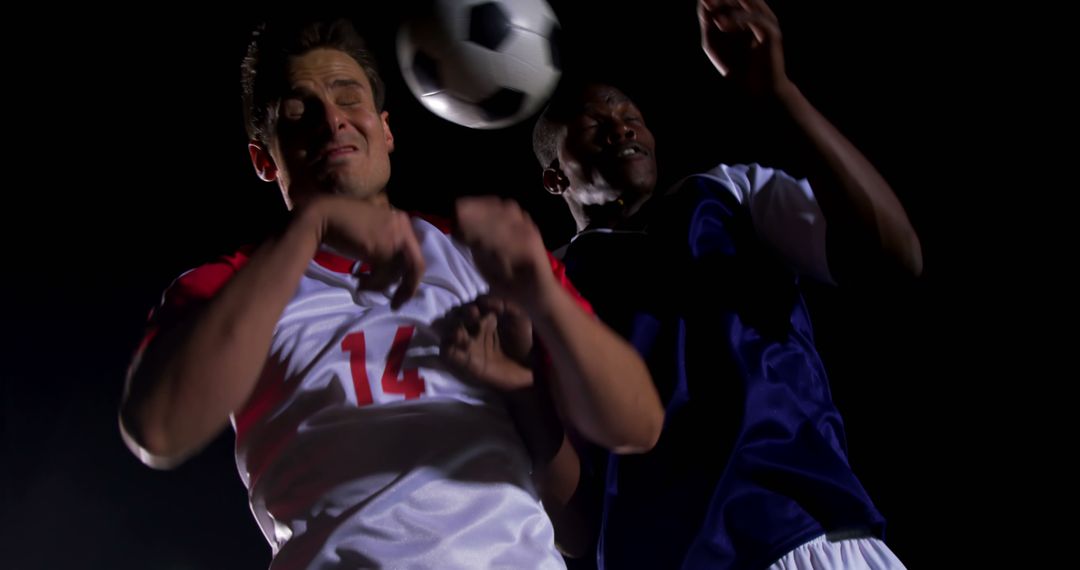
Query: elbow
(896, 254)
(913, 260)
(644, 437)
(643, 427)
(150, 441)
(906, 252)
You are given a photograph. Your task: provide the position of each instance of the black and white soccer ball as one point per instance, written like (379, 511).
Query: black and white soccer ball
(483, 64)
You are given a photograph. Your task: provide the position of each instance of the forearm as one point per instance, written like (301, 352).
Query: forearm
(537, 421)
(600, 382)
(567, 500)
(190, 378)
(556, 467)
(855, 198)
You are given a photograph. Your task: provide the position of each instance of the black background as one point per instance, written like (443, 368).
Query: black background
(127, 165)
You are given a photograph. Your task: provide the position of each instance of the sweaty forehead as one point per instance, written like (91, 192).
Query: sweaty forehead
(324, 65)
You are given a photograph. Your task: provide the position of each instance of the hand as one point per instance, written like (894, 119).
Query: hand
(489, 341)
(377, 234)
(743, 41)
(506, 247)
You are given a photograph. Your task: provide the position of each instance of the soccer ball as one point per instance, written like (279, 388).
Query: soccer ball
(483, 64)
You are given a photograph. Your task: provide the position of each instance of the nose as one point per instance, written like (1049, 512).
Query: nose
(620, 131)
(333, 119)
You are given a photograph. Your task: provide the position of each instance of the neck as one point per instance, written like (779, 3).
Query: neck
(614, 214)
(378, 199)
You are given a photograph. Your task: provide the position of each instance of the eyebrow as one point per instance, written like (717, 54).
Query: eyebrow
(299, 91)
(345, 83)
(611, 102)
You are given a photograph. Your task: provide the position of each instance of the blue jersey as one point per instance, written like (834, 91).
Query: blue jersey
(752, 461)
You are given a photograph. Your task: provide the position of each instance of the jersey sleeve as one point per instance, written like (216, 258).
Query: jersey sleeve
(190, 291)
(559, 270)
(785, 214)
(185, 295)
(542, 356)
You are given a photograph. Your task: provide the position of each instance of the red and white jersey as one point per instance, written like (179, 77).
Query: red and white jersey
(360, 449)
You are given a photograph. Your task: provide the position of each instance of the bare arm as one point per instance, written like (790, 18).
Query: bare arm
(490, 342)
(556, 469)
(863, 213)
(600, 380)
(601, 385)
(742, 38)
(187, 381)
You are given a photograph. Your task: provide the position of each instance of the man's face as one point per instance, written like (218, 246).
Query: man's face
(327, 136)
(608, 152)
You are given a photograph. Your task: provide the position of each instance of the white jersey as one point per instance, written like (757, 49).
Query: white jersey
(360, 449)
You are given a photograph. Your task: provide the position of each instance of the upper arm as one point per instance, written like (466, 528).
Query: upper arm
(179, 303)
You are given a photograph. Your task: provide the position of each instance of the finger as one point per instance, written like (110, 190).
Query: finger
(462, 338)
(490, 303)
(490, 337)
(456, 339)
(381, 277)
(455, 356)
(760, 25)
(488, 325)
(718, 13)
(445, 325)
(731, 28)
(760, 7)
(470, 318)
(461, 220)
(513, 310)
(709, 11)
(411, 263)
(442, 325)
(723, 20)
(470, 212)
(710, 5)
(731, 18)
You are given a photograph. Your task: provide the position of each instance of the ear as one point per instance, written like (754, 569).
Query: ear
(386, 131)
(262, 161)
(555, 181)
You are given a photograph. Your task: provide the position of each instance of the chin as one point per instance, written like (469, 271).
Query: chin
(339, 183)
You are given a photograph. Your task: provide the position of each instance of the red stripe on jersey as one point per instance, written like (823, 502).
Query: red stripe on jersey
(196, 287)
(444, 225)
(334, 262)
(559, 270)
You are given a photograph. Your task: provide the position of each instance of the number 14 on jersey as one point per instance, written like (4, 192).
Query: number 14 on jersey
(407, 382)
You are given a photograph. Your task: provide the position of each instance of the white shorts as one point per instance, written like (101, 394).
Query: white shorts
(846, 554)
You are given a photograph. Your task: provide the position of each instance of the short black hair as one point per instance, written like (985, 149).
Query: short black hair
(564, 104)
(262, 73)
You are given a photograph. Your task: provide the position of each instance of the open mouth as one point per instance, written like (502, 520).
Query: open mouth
(629, 151)
(329, 154)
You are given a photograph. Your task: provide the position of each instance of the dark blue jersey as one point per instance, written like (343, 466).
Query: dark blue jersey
(752, 459)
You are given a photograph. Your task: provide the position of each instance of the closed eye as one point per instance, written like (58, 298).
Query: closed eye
(292, 108)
